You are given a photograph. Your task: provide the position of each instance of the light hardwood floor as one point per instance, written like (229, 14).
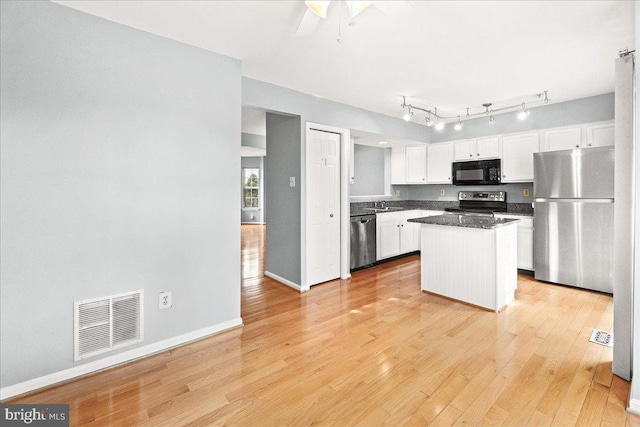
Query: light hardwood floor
(372, 350)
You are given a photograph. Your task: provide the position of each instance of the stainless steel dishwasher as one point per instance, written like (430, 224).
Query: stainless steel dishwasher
(363, 240)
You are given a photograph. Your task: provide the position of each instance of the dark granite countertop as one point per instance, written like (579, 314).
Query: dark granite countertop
(468, 221)
(358, 208)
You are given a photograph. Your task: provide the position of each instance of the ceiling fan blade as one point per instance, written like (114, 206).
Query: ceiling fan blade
(308, 23)
(389, 7)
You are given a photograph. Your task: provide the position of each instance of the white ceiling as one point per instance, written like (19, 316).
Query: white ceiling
(449, 54)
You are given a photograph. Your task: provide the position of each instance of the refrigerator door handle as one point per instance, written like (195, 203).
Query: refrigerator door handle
(544, 200)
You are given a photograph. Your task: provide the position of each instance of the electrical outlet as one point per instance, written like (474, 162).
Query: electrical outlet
(165, 300)
(397, 193)
(442, 192)
(526, 192)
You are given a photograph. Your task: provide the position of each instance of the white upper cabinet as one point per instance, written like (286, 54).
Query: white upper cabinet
(582, 136)
(464, 149)
(562, 139)
(439, 159)
(416, 164)
(517, 156)
(600, 135)
(409, 165)
(476, 149)
(488, 148)
(352, 172)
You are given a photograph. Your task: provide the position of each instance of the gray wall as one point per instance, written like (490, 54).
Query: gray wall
(255, 141)
(368, 170)
(252, 215)
(272, 98)
(586, 110)
(117, 148)
(283, 203)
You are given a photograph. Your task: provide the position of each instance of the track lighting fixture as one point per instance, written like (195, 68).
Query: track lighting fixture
(427, 118)
(524, 113)
(458, 125)
(434, 119)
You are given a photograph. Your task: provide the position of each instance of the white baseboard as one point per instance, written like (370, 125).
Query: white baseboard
(109, 362)
(284, 281)
(634, 406)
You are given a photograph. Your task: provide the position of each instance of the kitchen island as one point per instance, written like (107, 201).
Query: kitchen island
(469, 258)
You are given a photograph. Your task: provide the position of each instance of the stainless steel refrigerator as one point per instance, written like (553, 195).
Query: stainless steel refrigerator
(573, 217)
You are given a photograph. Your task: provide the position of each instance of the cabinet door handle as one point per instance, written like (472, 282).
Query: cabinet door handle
(470, 155)
(577, 146)
(330, 215)
(478, 154)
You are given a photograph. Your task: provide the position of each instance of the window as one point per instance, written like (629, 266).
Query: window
(251, 184)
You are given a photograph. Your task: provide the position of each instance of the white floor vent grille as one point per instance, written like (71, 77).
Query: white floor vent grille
(106, 323)
(602, 338)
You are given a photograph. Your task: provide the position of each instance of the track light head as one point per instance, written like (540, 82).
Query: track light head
(524, 113)
(439, 126)
(408, 115)
(458, 125)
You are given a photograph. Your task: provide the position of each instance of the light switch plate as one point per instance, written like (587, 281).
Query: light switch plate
(292, 181)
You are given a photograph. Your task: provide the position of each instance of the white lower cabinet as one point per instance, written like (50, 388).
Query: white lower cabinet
(387, 235)
(396, 236)
(525, 240)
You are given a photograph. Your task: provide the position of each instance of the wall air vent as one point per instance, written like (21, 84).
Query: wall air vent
(106, 323)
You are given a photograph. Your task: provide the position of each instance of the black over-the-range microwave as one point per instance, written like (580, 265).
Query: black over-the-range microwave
(477, 172)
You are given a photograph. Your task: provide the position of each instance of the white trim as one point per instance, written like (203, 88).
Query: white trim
(634, 406)
(284, 281)
(109, 362)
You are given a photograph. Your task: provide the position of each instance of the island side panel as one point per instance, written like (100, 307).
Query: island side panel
(506, 264)
(460, 263)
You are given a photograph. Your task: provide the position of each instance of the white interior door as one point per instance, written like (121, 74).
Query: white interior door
(323, 207)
